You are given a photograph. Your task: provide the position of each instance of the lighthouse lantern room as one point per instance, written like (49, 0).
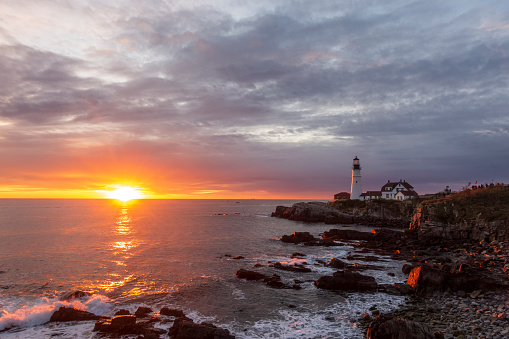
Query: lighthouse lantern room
(356, 189)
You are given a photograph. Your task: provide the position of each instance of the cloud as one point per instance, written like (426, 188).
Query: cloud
(275, 98)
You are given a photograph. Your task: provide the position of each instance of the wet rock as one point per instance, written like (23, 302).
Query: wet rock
(250, 275)
(337, 234)
(72, 314)
(127, 324)
(404, 289)
(407, 268)
(274, 281)
(298, 237)
(123, 312)
(143, 311)
(384, 328)
(336, 263)
(347, 281)
(238, 257)
(172, 312)
(293, 268)
(297, 255)
(187, 329)
(124, 323)
(76, 295)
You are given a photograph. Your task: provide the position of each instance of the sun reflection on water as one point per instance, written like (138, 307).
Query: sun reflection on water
(111, 284)
(123, 223)
(122, 247)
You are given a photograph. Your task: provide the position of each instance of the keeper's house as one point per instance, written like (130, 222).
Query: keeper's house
(398, 190)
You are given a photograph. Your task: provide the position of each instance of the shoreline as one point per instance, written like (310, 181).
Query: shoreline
(456, 315)
(457, 288)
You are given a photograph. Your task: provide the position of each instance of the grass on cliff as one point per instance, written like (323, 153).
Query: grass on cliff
(488, 204)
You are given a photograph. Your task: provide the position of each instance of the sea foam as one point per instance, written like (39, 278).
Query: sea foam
(41, 310)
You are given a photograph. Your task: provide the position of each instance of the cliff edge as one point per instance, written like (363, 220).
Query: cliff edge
(475, 215)
(380, 212)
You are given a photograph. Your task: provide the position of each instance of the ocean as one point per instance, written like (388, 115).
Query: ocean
(174, 253)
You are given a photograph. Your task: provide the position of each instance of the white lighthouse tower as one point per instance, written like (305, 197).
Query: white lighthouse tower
(356, 189)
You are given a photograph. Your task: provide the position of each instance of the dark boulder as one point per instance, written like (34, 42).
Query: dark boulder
(336, 263)
(72, 314)
(347, 281)
(127, 324)
(172, 312)
(187, 329)
(404, 289)
(250, 275)
(143, 311)
(336, 234)
(274, 281)
(293, 268)
(122, 312)
(298, 237)
(407, 268)
(385, 328)
(122, 323)
(76, 295)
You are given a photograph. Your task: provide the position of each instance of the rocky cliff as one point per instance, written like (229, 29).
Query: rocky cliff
(373, 212)
(476, 215)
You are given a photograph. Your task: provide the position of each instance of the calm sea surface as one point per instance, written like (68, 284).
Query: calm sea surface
(175, 253)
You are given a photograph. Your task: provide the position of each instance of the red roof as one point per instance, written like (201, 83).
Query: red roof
(343, 194)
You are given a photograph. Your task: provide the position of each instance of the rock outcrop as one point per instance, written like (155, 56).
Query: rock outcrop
(428, 279)
(72, 314)
(387, 328)
(250, 275)
(186, 329)
(127, 324)
(298, 237)
(293, 268)
(273, 281)
(76, 295)
(475, 215)
(372, 212)
(347, 281)
(172, 312)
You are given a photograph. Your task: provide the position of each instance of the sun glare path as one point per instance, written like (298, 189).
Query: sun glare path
(125, 193)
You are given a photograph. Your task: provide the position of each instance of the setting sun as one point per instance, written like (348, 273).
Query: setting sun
(125, 193)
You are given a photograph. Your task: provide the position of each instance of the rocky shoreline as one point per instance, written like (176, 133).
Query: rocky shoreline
(458, 283)
(142, 323)
(454, 290)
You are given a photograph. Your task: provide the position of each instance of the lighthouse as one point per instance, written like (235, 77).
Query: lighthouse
(356, 189)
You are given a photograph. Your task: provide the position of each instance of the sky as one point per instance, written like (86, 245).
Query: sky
(251, 99)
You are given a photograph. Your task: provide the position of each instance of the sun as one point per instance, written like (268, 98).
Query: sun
(125, 193)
